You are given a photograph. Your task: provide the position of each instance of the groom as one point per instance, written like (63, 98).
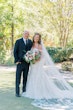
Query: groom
(22, 45)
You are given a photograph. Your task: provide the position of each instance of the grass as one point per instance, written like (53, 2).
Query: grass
(8, 101)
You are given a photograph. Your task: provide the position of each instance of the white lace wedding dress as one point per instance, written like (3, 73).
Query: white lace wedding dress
(46, 85)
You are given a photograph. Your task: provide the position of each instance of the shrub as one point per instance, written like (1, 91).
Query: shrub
(10, 61)
(67, 66)
(2, 49)
(2, 56)
(60, 54)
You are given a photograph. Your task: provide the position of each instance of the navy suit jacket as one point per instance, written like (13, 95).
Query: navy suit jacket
(20, 49)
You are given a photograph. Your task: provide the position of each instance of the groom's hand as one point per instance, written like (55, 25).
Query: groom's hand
(18, 63)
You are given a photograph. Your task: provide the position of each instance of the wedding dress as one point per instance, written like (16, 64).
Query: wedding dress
(46, 85)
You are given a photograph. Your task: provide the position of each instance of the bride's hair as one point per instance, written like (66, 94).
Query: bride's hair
(39, 42)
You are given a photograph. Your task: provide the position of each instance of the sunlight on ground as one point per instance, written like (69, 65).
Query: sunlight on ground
(8, 101)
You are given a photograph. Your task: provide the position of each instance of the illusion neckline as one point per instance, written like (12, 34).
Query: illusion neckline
(35, 48)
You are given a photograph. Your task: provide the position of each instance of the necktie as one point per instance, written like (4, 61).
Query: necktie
(26, 42)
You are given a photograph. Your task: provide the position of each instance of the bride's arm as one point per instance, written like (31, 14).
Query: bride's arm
(40, 48)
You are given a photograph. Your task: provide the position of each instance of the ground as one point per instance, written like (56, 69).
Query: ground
(8, 101)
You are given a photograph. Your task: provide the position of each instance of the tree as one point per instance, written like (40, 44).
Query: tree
(54, 20)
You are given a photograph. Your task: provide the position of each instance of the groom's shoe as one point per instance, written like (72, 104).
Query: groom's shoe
(17, 95)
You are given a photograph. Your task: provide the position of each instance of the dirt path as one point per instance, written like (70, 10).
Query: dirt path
(13, 68)
(66, 74)
(7, 68)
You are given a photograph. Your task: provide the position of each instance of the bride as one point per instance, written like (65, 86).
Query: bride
(44, 81)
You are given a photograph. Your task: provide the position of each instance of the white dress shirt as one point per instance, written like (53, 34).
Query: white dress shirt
(24, 40)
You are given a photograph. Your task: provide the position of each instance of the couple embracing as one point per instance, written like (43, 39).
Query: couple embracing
(41, 80)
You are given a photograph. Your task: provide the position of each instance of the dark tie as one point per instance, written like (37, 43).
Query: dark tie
(26, 42)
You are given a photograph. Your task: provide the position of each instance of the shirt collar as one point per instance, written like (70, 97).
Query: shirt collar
(24, 40)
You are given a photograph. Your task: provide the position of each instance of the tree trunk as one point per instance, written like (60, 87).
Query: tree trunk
(12, 27)
(12, 35)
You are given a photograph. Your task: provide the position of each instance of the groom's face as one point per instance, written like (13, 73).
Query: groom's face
(26, 34)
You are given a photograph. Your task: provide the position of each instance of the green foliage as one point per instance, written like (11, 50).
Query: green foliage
(57, 54)
(2, 56)
(54, 20)
(2, 49)
(51, 19)
(9, 61)
(60, 54)
(67, 66)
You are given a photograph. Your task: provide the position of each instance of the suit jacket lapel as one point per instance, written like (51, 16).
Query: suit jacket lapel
(23, 42)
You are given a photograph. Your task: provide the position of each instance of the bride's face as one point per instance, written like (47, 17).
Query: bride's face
(36, 38)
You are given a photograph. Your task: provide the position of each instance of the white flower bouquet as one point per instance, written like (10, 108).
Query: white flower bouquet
(32, 56)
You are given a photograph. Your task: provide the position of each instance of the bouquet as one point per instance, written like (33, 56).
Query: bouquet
(32, 56)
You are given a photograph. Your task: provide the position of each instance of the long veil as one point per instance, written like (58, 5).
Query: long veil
(63, 92)
(53, 71)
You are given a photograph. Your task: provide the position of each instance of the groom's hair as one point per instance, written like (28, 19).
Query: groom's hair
(39, 37)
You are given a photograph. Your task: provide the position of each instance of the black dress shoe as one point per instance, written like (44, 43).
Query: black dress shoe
(17, 95)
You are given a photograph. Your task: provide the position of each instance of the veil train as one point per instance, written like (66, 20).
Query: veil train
(61, 87)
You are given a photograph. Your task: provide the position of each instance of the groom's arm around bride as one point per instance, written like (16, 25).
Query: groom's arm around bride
(22, 45)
